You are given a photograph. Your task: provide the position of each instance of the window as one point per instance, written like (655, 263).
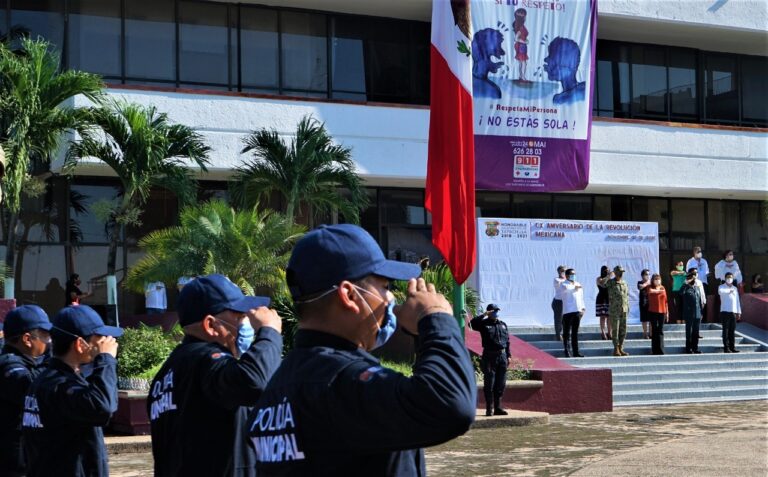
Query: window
(573, 207)
(160, 211)
(531, 206)
(92, 227)
(649, 82)
(387, 57)
(653, 210)
(492, 204)
(258, 49)
(203, 43)
(94, 36)
(683, 85)
(612, 80)
(402, 207)
(723, 225)
(687, 224)
(304, 53)
(3, 19)
(721, 98)
(39, 18)
(754, 95)
(150, 40)
(44, 218)
(349, 59)
(754, 218)
(43, 276)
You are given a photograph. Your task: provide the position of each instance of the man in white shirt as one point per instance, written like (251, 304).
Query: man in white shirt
(699, 263)
(156, 301)
(557, 302)
(573, 310)
(730, 312)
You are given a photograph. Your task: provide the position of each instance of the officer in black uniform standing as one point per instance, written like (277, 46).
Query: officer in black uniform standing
(331, 409)
(28, 338)
(64, 412)
(199, 401)
(496, 357)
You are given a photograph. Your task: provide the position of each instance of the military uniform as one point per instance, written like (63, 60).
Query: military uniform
(331, 409)
(63, 416)
(199, 377)
(495, 339)
(17, 371)
(618, 307)
(692, 314)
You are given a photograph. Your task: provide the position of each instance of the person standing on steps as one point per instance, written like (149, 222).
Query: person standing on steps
(693, 309)
(618, 295)
(678, 278)
(658, 313)
(642, 287)
(496, 357)
(730, 312)
(557, 303)
(573, 310)
(602, 303)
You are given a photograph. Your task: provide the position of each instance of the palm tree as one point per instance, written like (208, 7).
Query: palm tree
(310, 170)
(145, 150)
(249, 246)
(35, 112)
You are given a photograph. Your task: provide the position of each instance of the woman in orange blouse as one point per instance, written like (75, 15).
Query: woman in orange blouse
(658, 313)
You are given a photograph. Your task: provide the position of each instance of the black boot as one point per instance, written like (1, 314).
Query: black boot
(488, 410)
(567, 352)
(497, 410)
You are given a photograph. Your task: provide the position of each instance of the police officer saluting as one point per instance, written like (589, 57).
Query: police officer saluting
(63, 411)
(28, 340)
(331, 408)
(198, 402)
(496, 357)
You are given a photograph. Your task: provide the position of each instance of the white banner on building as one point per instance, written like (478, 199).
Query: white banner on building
(517, 261)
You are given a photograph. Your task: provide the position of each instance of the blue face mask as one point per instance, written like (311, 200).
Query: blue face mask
(388, 326)
(572, 278)
(245, 336)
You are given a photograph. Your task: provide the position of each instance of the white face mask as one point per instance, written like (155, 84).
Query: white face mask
(657, 282)
(729, 280)
(698, 255)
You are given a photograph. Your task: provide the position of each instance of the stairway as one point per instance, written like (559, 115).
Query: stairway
(644, 379)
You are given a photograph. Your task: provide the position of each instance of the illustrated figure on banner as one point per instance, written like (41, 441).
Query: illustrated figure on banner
(561, 65)
(486, 44)
(521, 43)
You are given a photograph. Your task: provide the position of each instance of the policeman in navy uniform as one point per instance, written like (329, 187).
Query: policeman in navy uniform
(64, 412)
(496, 357)
(198, 402)
(331, 409)
(28, 338)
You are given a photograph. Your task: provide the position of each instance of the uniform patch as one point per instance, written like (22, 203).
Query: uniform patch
(370, 373)
(218, 355)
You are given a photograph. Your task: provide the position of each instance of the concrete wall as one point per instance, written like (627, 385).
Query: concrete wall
(390, 145)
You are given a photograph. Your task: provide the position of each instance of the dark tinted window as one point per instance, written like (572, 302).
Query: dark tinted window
(721, 93)
(687, 224)
(612, 80)
(649, 82)
(754, 218)
(754, 94)
(258, 48)
(304, 52)
(723, 225)
(348, 51)
(387, 54)
(402, 207)
(683, 84)
(492, 204)
(91, 227)
(94, 36)
(531, 206)
(653, 210)
(150, 40)
(573, 207)
(44, 18)
(203, 44)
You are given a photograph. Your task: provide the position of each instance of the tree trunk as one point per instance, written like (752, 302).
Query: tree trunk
(10, 256)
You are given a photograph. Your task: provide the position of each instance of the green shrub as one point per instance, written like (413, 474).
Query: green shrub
(401, 367)
(142, 349)
(517, 370)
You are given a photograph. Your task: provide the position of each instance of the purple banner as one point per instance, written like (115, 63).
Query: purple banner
(533, 75)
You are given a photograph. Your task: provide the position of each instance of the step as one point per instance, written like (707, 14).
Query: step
(685, 359)
(662, 402)
(599, 344)
(596, 340)
(724, 385)
(646, 351)
(663, 375)
(683, 395)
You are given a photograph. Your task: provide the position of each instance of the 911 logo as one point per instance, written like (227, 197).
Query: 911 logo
(527, 167)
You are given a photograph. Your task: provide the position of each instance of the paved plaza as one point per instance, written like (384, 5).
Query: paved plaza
(712, 439)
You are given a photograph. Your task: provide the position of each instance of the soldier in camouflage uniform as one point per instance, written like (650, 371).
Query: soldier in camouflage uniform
(618, 293)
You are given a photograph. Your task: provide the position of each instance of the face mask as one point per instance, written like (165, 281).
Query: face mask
(388, 326)
(245, 335)
(729, 280)
(698, 255)
(571, 278)
(645, 278)
(729, 258)
(657, 282)
(680, 268)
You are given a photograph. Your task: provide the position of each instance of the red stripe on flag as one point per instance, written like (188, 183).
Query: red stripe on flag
(450, 191)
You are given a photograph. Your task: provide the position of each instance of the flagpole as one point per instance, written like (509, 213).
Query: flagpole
(458, 305)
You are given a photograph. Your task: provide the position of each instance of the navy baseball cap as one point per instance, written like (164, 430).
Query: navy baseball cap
(492, 307)
(26, 318)
(326, 256)
(213, 294)
(82, 321)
